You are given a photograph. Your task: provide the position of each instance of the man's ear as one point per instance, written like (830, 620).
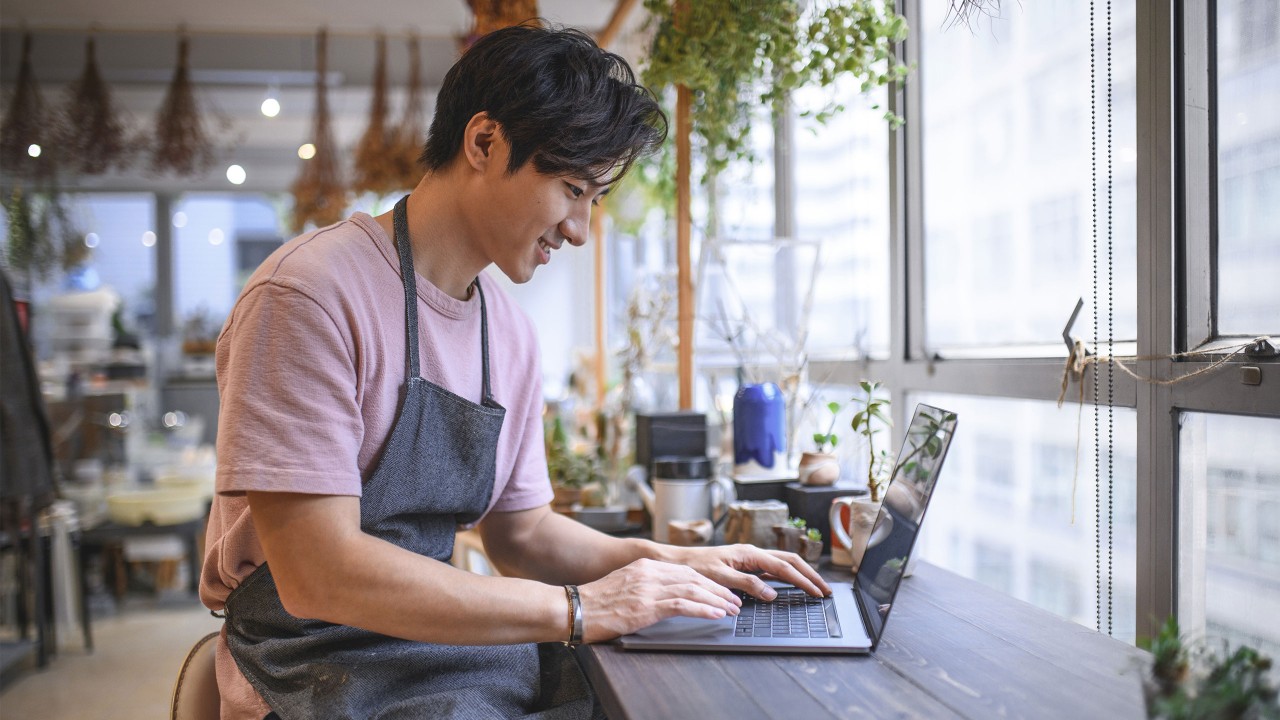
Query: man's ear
(478, 140)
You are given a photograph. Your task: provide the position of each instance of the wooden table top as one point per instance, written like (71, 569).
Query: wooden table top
(952, 648)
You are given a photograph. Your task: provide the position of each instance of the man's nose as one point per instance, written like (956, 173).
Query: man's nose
(576, 227)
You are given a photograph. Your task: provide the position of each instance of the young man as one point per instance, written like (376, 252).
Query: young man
(378, 391)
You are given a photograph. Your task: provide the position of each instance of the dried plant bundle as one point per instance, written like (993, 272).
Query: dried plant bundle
(406, 146)
(318, 194)
(96, 137)
(375, 163)
(182, 145)
(42, 234)
(493, 15)
(26, 123)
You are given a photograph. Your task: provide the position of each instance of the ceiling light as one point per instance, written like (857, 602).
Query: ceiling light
(33, 150)
(271, 103)
(215, 236)
(306, 151)
(236, 175)
(148, 239)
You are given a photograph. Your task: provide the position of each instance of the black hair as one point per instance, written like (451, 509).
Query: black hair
(571, 107)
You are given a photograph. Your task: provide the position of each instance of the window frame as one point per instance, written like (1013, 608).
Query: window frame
(1176, 267)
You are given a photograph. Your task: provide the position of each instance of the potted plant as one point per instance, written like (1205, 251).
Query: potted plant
(821, 467)
(868, 422)
(1185, 680)
(794, 536)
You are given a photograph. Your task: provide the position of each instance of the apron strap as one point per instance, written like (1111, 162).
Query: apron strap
(486, 396)
(400, 219)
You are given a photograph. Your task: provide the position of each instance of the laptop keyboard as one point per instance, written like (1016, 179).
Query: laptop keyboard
(793, 614)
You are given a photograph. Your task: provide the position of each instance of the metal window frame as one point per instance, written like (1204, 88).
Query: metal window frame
(1176, 268)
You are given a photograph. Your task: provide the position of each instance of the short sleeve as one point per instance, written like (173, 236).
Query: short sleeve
(290, 419)
(530, 483)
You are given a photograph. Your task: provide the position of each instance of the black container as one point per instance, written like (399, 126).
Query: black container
(762, 489)
(674, 467)
(813, 504)
(670, 434)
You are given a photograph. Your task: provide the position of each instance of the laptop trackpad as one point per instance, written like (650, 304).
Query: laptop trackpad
(686, 629)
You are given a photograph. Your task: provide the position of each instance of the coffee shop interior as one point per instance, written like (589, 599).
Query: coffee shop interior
(1059, 220)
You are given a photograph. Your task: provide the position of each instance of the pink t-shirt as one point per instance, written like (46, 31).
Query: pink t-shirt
(310, 367)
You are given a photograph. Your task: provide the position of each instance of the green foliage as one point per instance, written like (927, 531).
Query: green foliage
(828, 440)
(797, 522)
(1192, 682)
(736, 56)
(868, 422)
(567, 468)
(814, 534)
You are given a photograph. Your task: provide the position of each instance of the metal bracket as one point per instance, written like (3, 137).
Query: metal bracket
(1066, 331)
(1261, 348)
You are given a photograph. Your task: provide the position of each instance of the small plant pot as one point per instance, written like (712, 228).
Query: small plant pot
(818, 469)
(793, 539)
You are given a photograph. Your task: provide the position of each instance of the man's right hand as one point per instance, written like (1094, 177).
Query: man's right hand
(642, 593)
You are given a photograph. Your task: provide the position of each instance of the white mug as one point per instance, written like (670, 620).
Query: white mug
(852, 518)
(699, 499)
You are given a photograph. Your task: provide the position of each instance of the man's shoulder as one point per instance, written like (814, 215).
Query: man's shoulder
(324, 264)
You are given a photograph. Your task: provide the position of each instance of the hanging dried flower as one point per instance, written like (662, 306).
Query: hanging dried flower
(493, 15)
(375, 165)
(26, 124)
(182, 145)
(407, 146)
(42, 234)
(96, 139)
(318, 195)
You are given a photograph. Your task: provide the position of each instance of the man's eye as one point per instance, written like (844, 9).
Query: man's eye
(577, 191)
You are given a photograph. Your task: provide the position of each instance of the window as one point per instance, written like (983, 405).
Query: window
(1007, 489)
(1248, 167)
(1006, 156)
(219, 240)
(1230, 551)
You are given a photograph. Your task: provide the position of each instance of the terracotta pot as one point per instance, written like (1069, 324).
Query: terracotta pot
(819, 469)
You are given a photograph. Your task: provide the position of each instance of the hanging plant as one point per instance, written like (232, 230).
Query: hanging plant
(318, 195)
(95, 137)
(182, 145)
(735, 56)
(407, 144)
(26, 123)
(41, 234)
(375, 164)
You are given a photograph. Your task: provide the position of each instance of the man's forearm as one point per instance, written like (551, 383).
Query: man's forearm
(558, 550)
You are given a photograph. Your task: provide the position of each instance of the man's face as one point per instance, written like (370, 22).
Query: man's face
(529, 216)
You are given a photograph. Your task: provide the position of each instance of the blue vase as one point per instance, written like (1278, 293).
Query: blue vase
(759, 414)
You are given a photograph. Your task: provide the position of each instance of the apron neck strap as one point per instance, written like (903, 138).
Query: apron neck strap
(404, 249)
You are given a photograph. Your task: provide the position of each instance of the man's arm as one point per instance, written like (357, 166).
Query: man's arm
(544, 545)
(327, 568)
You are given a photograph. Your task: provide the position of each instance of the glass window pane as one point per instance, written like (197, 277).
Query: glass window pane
(219, 239)
(1229, 475)
(842, 198)
(1007, 209)
(1002, 513)
(118, 228)
(1248, 126)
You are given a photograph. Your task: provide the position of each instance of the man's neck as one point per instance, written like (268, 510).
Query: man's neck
(443, 250)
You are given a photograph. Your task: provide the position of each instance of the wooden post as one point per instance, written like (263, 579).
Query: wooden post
(601, 304)
(684, 231)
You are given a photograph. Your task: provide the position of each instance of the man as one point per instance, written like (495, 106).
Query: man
(378, 391)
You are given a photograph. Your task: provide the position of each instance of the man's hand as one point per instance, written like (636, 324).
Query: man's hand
(646, 591)
(735, 566)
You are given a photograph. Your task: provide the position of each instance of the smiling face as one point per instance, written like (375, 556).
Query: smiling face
(523, 218)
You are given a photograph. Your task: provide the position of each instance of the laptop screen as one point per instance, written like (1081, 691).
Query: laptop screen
(906, 497)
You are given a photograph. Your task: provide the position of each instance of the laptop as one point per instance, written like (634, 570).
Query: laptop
(853, 619)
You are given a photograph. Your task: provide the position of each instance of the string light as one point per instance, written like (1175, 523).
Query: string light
(91, 240)
(179, 219)
(148, 239)
(306, 151)
(216, 237)
(34, 150)
(236, 175)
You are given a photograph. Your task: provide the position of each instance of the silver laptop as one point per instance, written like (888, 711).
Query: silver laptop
(852, 620)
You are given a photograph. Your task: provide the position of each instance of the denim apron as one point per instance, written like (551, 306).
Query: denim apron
(436, 472)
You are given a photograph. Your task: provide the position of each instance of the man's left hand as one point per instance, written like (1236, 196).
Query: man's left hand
(734, 566)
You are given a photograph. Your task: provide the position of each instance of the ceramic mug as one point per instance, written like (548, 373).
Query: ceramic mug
(852, 517)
